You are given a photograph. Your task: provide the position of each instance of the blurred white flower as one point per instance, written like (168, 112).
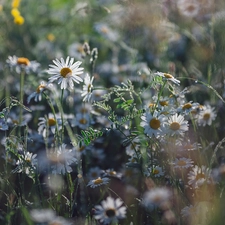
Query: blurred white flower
(62, 159)
(22, 64)
(206, 115)
(110, 211)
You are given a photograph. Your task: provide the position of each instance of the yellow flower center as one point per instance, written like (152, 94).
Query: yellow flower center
(104, 30)
(181, 163)
(190, 8)
(23, 61)
(83, 121)
(65, 71)
(98, 181)
(155, 171)
(81, 148)
(187, 106)
(39, 88)
(15, 121)
(112, 173)
(80, 49)
(206, 116)
(163, 103)
(89, 88)
(154, 123)
(175, 126)
(51, 37)
(28, 160)
(51, 122)
(200, 176)
(94, 174)
(110, 212)
(167, 75)
(151, 105)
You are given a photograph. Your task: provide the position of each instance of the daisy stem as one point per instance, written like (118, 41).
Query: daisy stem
(62, 96)
(21, 95)
(159, 95)
(53, 111)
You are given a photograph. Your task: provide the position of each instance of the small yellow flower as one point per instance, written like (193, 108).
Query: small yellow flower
(51, 37)
(19, 20)
(15, 12)
(15, 3)
(1, 8)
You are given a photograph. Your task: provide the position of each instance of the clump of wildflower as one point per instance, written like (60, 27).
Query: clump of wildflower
(18, 19)
(110, 211)
(22, 64)
(87, 88)
(65, 72)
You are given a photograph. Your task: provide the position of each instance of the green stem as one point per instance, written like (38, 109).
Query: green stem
(22, 76)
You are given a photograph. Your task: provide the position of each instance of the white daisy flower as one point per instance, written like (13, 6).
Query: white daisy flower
(22, 64)
(98, 182)
(42, 215)
(48, 123)
(176, 125)
(112, 173)
(37, 95)
(182, 163)
(206, 116)
(168, 76)
(106, 31)
(156, 197)
(62, 159)
(110, 211)
(199, 176)
(153, 124)
(94, 173)
(186, 108)
(188, 8)
(65, 72)
(82, 120)
(87, 88)
(27, 163)
(157, 171)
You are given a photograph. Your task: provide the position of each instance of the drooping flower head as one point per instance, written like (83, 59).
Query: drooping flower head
(87, 88)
